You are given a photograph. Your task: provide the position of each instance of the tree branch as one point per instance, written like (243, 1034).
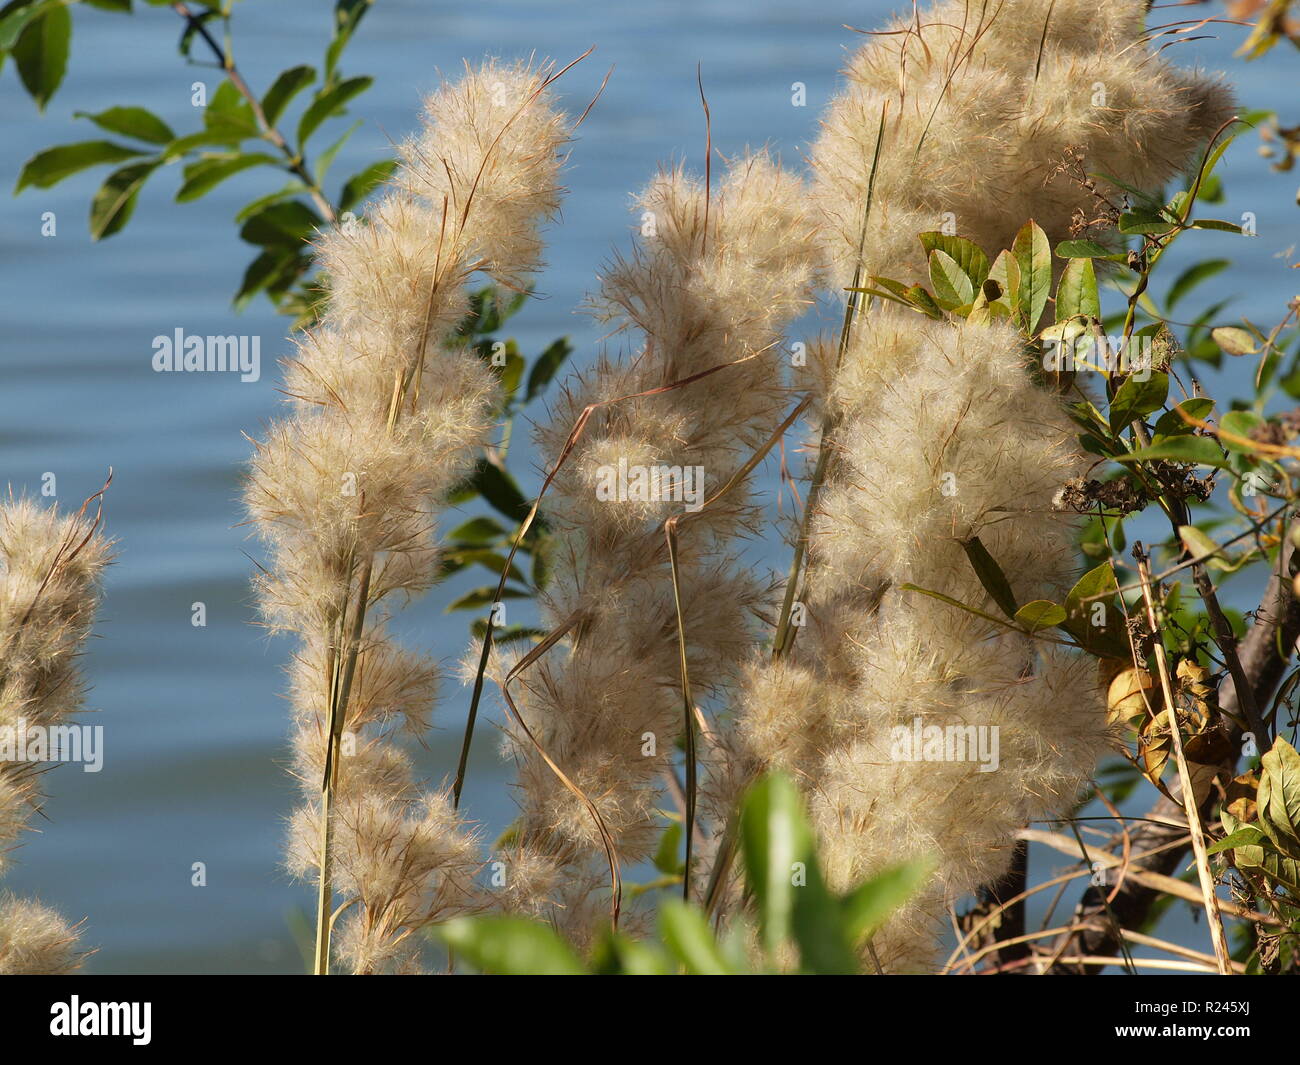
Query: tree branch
(295, 164)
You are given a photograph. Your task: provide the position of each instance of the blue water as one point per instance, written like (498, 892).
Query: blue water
(194, 727)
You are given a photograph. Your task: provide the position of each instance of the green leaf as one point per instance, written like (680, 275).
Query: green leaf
(968, 256)
(541, 562)
(347, 16)
(253, 207)
(784, 877)
(545, 367)
(206, 174)
(263, 272)
(16, 17)
(1262, 858)
(1136, 399)
(1196, 450)
(285, 87)
(892, 289)
(1239, 423)
(515, 303)
(915, 297)
(1278, 799)
(1198, 544)
(774, 836)
(1170, 424)
(620, 955)
(1142, 222)
(1083, 249)
(229, 115)
(511, 373)
(1212, 160)
(1216, 224)
(868, 905)
(1211, 190)
(1098, 582)
(41, 54)
(486, 558)
(885, 294)
(1235, 341)
(1006, 273)
(952, 288)
(919, 298)
(1033, 255)
(481, 530)
(1106, 640)
(481, 597)
(1076, 295)
(1087, 416)
(54, 164)
(1193, 276)
(507, 634)
(1095, 446)
(364, 182)
(668, 857)
(1277, 867)
(327, 104)
(991, 576)
(510, 946)
(137, 122)
(955, 603)
(821, 930)
(1040, 614)
(285, 225)
(686, 932)
(208, 137)
(326, 158)
(114, 203)
(497, 486)
(484, 316)
(1246, 836)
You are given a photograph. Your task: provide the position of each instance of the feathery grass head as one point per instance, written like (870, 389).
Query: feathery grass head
(950, 440)
(388, 410)
(35, 940)
(50, 571)
(990, 115)
(50, 568)
(712, 281)
(970, 120)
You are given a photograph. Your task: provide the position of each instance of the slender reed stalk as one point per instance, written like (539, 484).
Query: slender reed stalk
(1206, 879)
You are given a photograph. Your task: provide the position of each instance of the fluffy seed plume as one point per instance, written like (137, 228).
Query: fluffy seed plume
(50, 569)
(992, 114)
(713, 281)
(386, 414)
(979, 118)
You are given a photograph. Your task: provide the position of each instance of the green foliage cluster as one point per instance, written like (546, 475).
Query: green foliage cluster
(796, 914)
